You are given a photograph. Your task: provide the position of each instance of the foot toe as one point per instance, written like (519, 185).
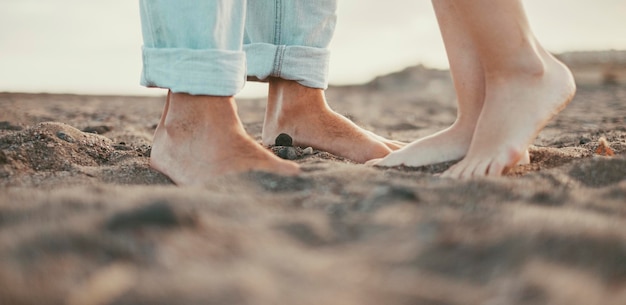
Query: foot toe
(456, 171)
(525, 158)
(481, 169)
(495, 169)
(375, 162)
(395, 145)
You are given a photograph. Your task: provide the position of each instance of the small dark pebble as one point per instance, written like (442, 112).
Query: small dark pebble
(65, 137)
(584, 140)
(287, 153)
(283, 139)
(122, 146)
(101, 129)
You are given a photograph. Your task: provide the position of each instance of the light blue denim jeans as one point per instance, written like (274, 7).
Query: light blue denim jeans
(210, 47)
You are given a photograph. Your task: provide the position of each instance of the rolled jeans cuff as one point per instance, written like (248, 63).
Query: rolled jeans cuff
(306, 65)
(196, 72)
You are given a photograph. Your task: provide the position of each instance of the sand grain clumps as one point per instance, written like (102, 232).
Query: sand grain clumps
(53, 146)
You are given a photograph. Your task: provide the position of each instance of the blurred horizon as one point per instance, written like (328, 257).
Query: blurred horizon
(80, 47)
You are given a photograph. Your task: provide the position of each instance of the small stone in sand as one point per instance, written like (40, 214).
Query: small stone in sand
(603, 148)
(584, 140)
(307, 151)
(100, 129)
(65, 137)
(283, 139)
(122, 146)
(288, 153)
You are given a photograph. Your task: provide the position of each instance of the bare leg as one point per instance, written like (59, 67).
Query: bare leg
(303, 113)
(525, 86)
(468, 76)
(200, 137)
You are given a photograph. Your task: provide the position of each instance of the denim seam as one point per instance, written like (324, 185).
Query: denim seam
(279, 57)
(278, 22)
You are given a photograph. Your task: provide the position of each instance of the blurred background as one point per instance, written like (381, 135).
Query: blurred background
(94, 47)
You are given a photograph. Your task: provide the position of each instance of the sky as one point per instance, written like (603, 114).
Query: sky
(94, 47)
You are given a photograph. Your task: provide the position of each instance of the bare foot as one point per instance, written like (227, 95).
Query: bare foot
(516, 109)
(303, 113)
(201, 137)
(446, 145)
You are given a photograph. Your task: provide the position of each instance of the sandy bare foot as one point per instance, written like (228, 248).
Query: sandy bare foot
(446, 145)
(201, 137)
(303, 114)
(514, 112)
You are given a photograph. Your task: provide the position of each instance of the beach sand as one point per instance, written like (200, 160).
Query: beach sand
(84, 220)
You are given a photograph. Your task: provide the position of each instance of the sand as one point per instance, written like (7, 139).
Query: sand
(84, 220)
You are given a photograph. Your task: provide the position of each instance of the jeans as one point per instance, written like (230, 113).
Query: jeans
(210, 47)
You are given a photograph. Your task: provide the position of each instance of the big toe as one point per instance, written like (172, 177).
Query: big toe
(395, 145)
(457, 171)
(375, 162)
(393, 159)
(525, 158)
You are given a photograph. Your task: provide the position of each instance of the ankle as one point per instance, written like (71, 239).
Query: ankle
(189, 113)
(289, 101)
(528, 63)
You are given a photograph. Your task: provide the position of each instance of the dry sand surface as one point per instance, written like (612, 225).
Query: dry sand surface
(84, 220)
